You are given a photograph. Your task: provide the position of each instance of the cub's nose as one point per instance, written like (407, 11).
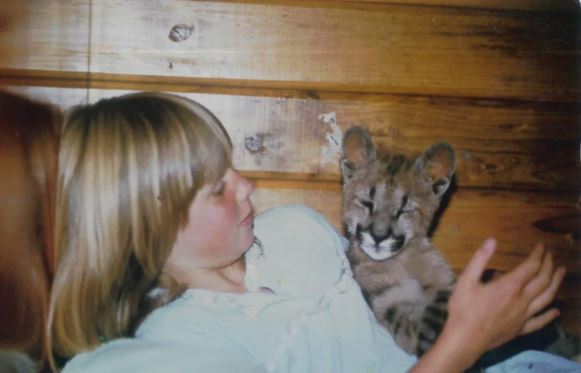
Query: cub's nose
(379, 237)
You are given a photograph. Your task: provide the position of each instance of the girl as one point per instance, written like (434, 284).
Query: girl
(162, 267)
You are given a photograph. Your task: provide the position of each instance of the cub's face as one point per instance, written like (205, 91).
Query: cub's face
(381, 212)
(389, 199)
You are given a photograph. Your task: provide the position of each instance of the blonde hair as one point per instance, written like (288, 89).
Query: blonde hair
(129, 167)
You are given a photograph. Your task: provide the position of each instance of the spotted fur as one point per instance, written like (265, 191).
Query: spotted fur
(388, 205)
(389, 202)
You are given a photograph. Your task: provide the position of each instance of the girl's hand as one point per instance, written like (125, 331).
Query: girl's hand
(484, 316)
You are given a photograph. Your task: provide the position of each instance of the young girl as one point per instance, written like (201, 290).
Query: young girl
(162, 266)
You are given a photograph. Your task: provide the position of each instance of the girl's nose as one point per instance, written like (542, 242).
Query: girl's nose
(245, 188)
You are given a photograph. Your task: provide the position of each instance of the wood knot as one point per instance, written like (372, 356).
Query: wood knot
(568, 224)
(180, 32)
(255, 143)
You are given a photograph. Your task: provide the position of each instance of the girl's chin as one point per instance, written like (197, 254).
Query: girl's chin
(248, 240)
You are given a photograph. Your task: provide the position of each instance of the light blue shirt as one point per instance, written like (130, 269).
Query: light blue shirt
(302, 313)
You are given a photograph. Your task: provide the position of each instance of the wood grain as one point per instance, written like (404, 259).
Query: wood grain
(311, 45)
(499, 144)
(50, 35)
(399, 49)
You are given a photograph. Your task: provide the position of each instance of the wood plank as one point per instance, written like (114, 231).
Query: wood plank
(516, 220)
(500, 144)
(396, 49)
(531, 5)
(533, 56)
(39, 34)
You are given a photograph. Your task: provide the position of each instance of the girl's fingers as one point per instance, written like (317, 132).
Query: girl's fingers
(477, 264)
(538, 322)
(543, 299)
(529, 267)
(542, 279)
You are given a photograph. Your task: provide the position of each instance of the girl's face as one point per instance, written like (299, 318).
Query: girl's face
(219, 228)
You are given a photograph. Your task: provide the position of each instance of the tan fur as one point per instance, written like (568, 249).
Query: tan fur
(388, 205)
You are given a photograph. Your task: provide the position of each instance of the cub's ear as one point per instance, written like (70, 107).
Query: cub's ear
(357, 151)
(436, 167)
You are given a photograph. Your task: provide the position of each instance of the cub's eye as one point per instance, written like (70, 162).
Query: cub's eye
(405, 208)
(404, 211)
(368, 205)
(408, 210)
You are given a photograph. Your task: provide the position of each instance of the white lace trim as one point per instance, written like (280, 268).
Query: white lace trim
(253, 257)
(241, 303)
(341, 286)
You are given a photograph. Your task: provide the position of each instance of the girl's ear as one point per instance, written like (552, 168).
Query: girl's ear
(357, 151)
(436, 167)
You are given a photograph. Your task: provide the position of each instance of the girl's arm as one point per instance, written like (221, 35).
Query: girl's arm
(484, 316)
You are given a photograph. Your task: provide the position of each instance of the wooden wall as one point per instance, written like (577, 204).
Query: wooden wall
(499, 79)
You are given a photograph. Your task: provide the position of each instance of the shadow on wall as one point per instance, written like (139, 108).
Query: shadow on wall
(28, 165)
